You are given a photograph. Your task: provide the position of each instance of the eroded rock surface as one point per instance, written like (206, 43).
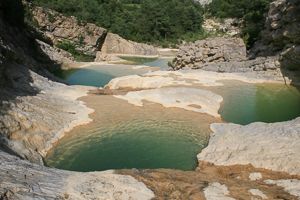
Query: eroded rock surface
(54, 28)
(281, 37)
(197, 100)
(36, 121)
(194, 55)
(35, 110)
(114, 44)
(21, 179)
(272, 146)
(159, 79)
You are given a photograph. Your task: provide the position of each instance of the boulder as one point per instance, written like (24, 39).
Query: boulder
(114, 44)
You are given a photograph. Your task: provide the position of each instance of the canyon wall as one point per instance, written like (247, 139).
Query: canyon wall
(54, 28)
(276, 54)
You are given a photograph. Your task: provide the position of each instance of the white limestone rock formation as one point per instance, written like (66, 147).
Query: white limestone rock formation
(217, 191)
(197, 100)
(21, 179)
(273, 146)
(292, 186)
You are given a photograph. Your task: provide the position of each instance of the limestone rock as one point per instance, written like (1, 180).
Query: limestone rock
(257, 192)
(21, 179)
(255, 176)
(292, 186)
(272, 146)
(216, 191)
(204, 2)
(159, 79)
(56, 27)
(210, 50)
(281, 36)
(230, 26)
(39, 120)
(58, 55)
(187, 98)
(101, 57)
(114, 44)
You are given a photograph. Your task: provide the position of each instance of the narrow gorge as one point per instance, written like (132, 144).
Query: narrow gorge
(221, 123)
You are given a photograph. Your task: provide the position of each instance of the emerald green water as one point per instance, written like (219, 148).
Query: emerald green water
(125, 136)
(245, 103)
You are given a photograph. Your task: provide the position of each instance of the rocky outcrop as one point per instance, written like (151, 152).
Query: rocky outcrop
(230, 26)
(88, 38)
(114, 44)
(55, 27)
(101, 57)
(204, 2)
(281, 37)
(211, 50)
(35, 109)
(276, 53)
(229, 55)
(58, 55)
(271, 146)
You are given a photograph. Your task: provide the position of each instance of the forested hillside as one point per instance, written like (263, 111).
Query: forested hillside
(251, 11)
(163, 21)
(154, 21)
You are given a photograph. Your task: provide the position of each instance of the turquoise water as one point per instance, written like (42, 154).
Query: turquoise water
(125, 136)
(100, 75)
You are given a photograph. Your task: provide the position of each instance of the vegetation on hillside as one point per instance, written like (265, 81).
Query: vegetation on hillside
(251, 11)
(150, 21)
(147, 21)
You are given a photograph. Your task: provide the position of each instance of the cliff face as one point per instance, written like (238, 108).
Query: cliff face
(55, 27)
(281, 37)
(114, 44)
(88, 38)
(276, 55)
(35, 108)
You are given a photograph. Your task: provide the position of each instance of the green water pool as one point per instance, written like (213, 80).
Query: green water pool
(100, 75)
(125, 136)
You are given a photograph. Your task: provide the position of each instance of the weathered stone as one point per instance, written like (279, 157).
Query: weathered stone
(101, 57)
(177, 97)
(211, 50)
(281, 37)
(21, 179)
(89, 38)
(254, 145)
(114, 44)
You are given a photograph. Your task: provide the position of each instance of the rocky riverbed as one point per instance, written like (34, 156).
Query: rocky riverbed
(257, 161)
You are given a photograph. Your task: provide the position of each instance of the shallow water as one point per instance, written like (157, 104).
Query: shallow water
(124, 136)
(100, 75)
(245, 103)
